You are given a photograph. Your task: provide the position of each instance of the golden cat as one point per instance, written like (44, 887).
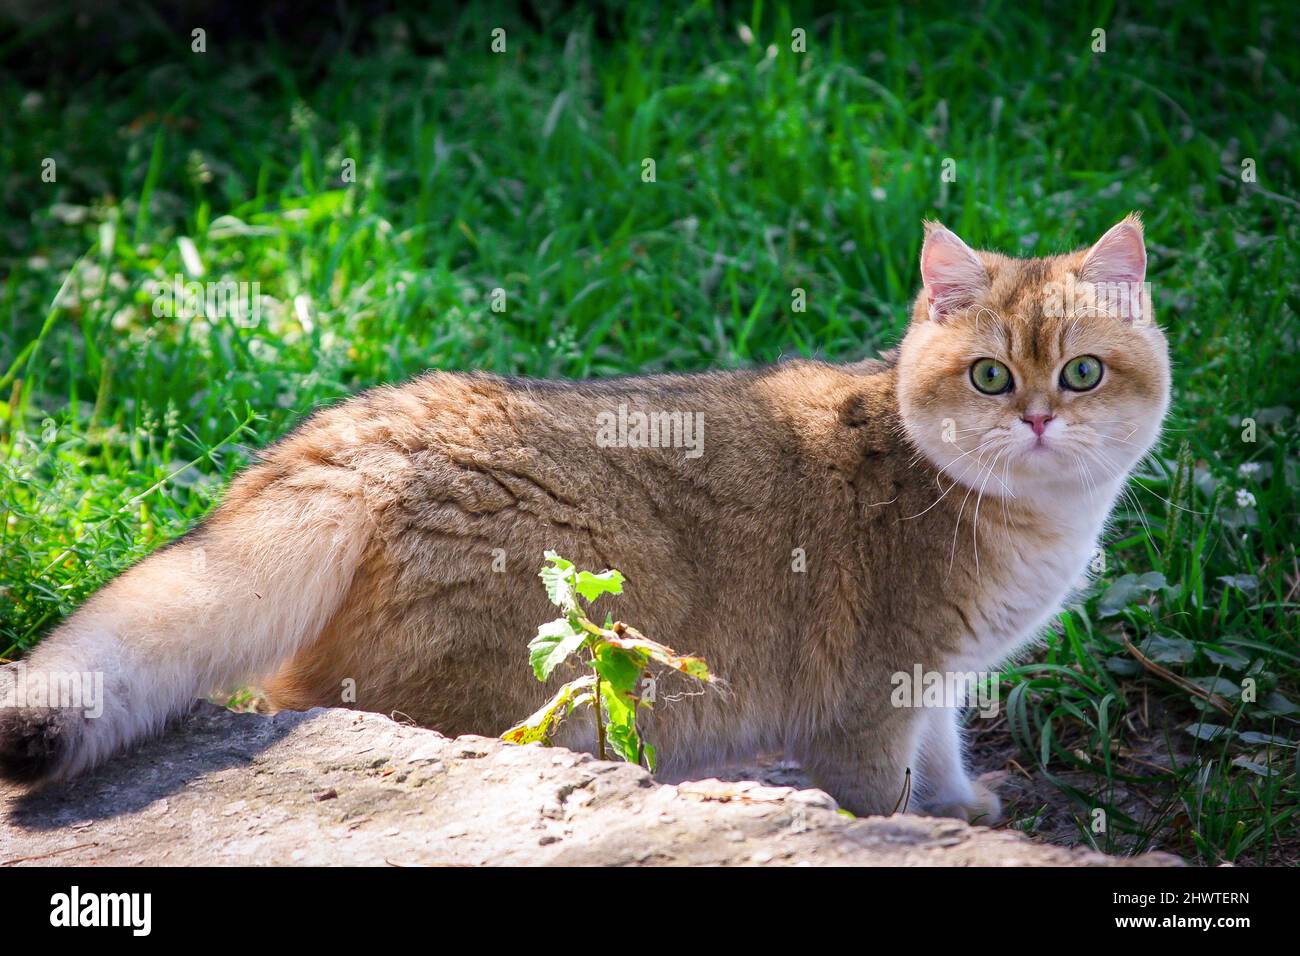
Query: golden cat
(831, 526)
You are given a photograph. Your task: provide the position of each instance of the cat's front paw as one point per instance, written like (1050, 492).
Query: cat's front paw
(980, 806)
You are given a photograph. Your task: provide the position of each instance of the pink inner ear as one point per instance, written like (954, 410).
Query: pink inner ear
(1119, 256)
(953, 275)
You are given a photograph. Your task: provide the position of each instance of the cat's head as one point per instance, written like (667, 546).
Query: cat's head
(1034, 376)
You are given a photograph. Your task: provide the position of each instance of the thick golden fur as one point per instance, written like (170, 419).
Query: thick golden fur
(394, 541)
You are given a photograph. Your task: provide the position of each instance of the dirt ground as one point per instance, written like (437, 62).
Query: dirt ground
(1031, 802)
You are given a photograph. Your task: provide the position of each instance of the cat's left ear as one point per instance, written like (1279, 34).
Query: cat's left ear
(1120, 256)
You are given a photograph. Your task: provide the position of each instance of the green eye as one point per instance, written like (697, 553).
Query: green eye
(990, 376)
(1081, 374)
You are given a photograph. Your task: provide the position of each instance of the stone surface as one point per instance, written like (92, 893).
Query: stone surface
(342, 787)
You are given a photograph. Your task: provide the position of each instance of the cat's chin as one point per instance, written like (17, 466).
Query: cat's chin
(1053, 479)
(1046, 476)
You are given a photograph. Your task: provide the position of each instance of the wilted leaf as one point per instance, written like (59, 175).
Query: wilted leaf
(543, 722)
(691, 666)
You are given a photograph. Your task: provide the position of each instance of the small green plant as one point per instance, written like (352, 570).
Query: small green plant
(618, 656)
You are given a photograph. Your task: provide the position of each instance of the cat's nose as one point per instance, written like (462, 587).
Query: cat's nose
(1037, 422)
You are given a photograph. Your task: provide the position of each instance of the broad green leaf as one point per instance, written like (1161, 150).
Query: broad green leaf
(1168, 650)
(622, 741)
(1275, 702)
(619, 668)
(1203, 731)
(1257, 739)
(1127, 589)
(1274, 415)
(1237, 518)
(619, 708)
(1218, 685)
(620, 726)
(1242, 582)
(543, 722)
(1123, 666)
(592, 586)
(558, 580)
(554, 642)
(1227, 658)
(1256, 768)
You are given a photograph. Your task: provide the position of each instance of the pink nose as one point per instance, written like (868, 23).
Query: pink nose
(1037, 422)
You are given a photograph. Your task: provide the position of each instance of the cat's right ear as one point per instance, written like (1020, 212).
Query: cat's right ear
(952, 274)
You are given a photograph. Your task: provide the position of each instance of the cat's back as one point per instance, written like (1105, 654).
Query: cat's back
(657, 458)
(699, 422)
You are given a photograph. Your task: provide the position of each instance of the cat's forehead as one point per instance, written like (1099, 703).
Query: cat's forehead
(1020, 288)
(1020, 313)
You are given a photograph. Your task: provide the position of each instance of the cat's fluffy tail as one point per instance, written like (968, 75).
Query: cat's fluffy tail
(225, 604)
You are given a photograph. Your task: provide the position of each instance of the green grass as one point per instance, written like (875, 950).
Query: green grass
(522, 171)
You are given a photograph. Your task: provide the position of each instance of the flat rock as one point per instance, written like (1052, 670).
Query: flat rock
(334, 786)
